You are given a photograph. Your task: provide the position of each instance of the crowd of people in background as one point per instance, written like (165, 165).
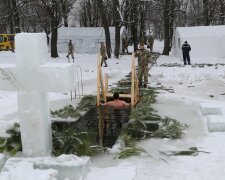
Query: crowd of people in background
(143, 56)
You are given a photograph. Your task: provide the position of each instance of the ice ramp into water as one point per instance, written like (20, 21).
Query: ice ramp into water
(112, 173)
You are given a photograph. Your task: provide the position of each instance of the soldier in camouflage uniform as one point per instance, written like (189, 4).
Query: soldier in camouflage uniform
(103, 54)
(70, 50)
(125, 45)
(144, 58)
(150, 42)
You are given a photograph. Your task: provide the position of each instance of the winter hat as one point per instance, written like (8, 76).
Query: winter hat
(185, 42)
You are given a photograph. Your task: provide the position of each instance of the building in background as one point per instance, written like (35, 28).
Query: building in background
(205, 41)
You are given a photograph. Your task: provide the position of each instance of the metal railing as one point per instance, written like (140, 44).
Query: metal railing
(79, 88)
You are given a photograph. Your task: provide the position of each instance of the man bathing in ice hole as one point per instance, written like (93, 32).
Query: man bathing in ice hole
(116, 102)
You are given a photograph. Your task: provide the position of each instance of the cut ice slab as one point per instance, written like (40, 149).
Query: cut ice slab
(211, 109)
(2, 160)
(24, 170)
(47, 168)
(112, 173)
(216, 123)
(68, 166)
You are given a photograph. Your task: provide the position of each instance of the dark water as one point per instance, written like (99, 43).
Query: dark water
(103, 123)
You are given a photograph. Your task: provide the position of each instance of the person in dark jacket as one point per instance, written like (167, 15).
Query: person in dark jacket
(186, 48)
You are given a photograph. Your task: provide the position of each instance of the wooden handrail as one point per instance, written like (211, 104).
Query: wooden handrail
(102, 84)
(98, 79)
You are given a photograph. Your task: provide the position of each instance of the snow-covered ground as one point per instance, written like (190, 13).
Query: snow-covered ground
(184, 89)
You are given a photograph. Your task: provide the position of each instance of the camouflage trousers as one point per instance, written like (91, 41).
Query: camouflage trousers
(70, 53)
(143, 71)
(103, 61)
(151, 47)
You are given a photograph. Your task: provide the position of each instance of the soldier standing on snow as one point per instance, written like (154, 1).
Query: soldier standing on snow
(103, 54)
(186, 48)
(150, 42)
(70, 50)
(125, 44)
(144, 58)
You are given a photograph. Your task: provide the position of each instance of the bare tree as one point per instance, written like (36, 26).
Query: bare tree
(52, 9)
(106, 26)
(66, 6)
(134, 22)
(117, 27)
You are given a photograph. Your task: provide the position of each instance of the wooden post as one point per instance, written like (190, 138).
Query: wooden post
(98, 79)
(106, 86)
(136, 89)
(100, 128)
(102, 87)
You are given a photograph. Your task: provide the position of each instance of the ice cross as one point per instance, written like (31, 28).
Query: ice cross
(33, 78)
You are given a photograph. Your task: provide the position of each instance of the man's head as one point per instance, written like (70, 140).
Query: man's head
(142, 45)
(116, 95)
(185, 42)
(102, 43)
(70, 40)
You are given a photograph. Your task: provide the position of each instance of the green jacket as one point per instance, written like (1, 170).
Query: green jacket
(144, 57)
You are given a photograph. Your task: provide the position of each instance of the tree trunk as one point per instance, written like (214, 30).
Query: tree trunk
(222, 14)
(125, 16)
(53, 13)
(134, 23)
(65, 14)
(206, 12)
(116, 20)
(166, 18)
(172, 16)
(54, 37)
(90, 14)
(106, 27)
(16, 16)
(142, 24)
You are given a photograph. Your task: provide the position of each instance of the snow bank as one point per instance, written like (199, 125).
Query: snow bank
(112, 173)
